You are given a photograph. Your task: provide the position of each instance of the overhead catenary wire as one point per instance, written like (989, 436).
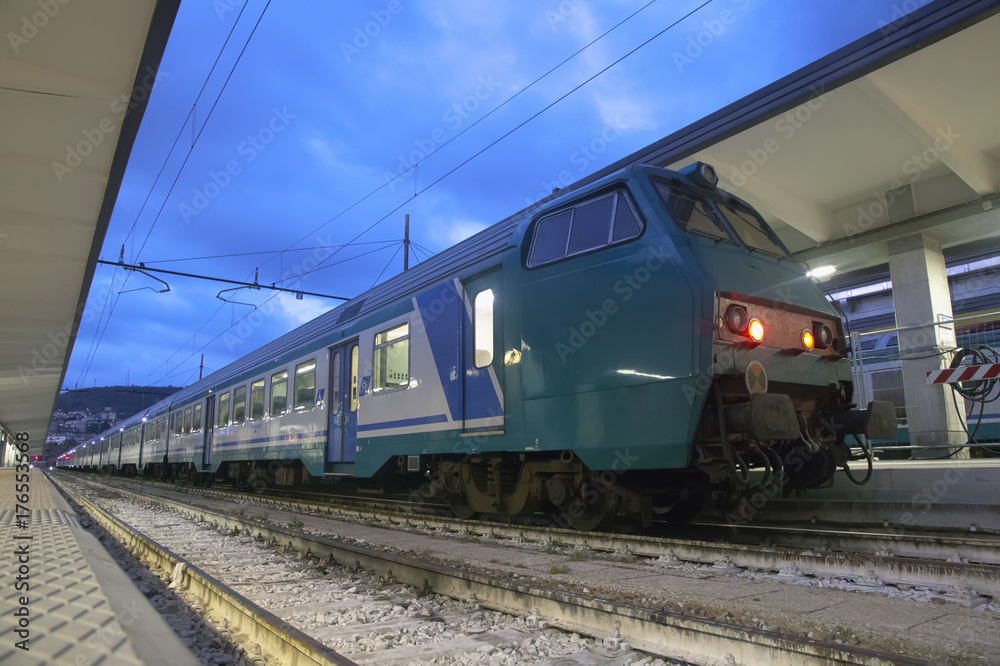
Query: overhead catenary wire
(464, 162)
(511, 131)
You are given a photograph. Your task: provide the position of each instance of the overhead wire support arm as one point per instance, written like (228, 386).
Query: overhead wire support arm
(142, 268)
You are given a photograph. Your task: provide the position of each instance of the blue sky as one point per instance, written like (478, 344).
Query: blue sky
(314, 104)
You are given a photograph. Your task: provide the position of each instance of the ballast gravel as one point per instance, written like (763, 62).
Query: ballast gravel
(367, 619)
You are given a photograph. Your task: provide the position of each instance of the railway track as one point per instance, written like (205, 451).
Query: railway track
(700, 640)
(962, 568)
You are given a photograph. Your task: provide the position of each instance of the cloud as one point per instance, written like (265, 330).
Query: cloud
(297, 312)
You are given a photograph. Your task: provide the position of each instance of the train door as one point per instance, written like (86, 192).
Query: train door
(142, 444)
(482, 358)
(206, 456)
(344, 379)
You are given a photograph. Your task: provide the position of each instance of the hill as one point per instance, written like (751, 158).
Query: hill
(123, 400)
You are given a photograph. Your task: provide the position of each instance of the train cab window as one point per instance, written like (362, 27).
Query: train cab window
(483, 328)
(304, 389)
(279, 393)
(751, 228)
(391, 363)
(187, 420)
(239, 405)
(196, 418)
(223, 415)
(587, 226)
(688, 210)
(257, 399)
(354, 378)
(893, 342)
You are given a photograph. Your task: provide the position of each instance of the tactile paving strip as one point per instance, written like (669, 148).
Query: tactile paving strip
(71, 619)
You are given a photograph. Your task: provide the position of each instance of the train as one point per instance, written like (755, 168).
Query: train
(878, 373)
(628, 346)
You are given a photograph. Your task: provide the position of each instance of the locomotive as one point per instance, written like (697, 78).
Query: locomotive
(628, 346)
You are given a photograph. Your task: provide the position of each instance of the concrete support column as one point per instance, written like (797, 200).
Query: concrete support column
(921, 298)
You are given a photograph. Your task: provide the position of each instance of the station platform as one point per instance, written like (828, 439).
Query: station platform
(63, 597)
(953, 494)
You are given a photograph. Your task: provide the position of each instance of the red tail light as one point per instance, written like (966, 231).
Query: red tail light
(755, 330)
(808, 341)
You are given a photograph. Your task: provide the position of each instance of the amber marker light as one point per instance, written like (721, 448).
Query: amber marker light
(807, 339)
(755, 330)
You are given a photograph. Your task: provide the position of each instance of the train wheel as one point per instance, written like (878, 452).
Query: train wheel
(460, 506)
(594, 509)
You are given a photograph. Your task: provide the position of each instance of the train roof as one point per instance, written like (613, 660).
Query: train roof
(466, 254)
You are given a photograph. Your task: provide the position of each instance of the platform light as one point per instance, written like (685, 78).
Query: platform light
(808, 341)
(822, 271)
(755, 329)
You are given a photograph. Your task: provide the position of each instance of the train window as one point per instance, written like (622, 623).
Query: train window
(483, 328)
(187, 420)
(239, 404)
(335, 384)
(223, 419)
(551, 235)
(279, 393)
(750, 228)
(178, 422)
(587, 226)
(391, 364)
(257, 399)
(591, 225)
(688, 210)
(893, 342)
(305, 385)
(354, 378)
(196, 418)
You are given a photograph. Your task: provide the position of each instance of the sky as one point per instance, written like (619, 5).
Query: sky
(287, 139)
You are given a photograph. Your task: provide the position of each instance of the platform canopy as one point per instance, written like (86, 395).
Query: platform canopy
(74, 80)
(894, 134)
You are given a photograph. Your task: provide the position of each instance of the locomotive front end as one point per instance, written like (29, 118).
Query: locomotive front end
(778, 410)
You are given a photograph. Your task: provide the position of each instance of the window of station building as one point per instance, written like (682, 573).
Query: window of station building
(196, 418)
(279, 393)
(587, 226)
(483, 328)
(391, 362)
(304, 388)
(257, 399)
(187, 420)
(239, 405)
(223, 416)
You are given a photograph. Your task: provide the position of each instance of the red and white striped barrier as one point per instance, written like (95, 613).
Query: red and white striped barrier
(964, 373)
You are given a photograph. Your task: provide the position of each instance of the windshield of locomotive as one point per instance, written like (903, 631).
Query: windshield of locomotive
(707, 217)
